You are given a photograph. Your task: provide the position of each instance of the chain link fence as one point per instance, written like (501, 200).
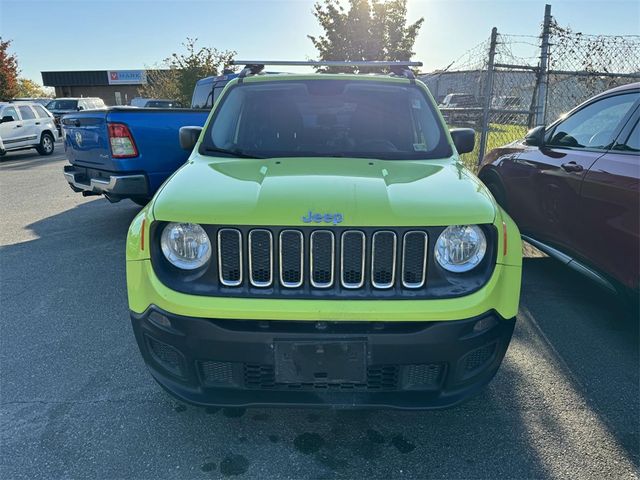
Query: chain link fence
(510, 83)
(581, 66)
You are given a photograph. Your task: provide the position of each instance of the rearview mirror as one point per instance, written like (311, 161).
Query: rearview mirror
(535, 137)
(464, 139)
(7, 118)
(189, 137)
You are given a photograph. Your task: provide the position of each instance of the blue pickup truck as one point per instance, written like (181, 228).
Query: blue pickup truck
(128, 152)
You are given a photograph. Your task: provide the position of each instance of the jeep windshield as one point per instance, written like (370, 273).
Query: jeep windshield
(326, 118)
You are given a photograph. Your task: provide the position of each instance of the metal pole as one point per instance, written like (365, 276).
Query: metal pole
(488, 91)
(544, 68)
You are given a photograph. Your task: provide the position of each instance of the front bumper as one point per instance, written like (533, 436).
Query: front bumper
(101, 182)
(409, 365)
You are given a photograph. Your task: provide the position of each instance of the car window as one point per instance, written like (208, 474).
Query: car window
(201, 95)
(632, 144)
(42, 113)
(10, 112)
(593, 126)
(26, 112)
(99, 103)
(159, 104)
(62, 105)
(328, 118)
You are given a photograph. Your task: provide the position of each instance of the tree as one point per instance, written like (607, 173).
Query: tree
(369, 30)
(183, 70)
(8, 71)
(29, 89)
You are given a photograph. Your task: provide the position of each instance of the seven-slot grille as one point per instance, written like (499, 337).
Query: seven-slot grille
(323, 259)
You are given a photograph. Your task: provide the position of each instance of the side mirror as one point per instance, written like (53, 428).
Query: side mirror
(189, 137)
(80, 108)
(535, 137)
(464, 139)
(7, 118)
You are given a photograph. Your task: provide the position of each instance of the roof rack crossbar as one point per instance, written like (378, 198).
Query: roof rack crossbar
(328, 63)
(250, 69)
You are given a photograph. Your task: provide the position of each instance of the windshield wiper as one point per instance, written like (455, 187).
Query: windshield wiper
(234, 153)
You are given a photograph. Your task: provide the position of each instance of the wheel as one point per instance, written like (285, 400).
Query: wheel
(46, 144)
(498, 193)
(142, 201)
(494, 185)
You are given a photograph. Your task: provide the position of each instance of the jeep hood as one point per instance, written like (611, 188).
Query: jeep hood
(281, 191)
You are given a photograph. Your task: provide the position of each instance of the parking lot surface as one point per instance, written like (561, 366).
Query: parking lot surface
(77, 402)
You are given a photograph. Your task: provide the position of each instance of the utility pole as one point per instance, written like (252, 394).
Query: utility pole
(544, 68)
(488, 93)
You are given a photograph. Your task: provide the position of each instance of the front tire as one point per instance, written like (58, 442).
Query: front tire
(46, 145)
(494, 185)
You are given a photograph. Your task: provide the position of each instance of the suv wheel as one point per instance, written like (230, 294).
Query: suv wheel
(45, 147)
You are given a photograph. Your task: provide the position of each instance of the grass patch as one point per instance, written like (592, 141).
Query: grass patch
(499, 134)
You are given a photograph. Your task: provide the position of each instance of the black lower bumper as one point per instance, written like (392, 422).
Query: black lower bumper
(100, 182)
(407, 365)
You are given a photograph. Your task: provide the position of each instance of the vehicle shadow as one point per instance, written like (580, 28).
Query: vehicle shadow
(23, 159)
(562, 401)
(593, 336)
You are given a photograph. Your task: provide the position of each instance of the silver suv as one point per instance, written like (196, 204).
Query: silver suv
(26, 125)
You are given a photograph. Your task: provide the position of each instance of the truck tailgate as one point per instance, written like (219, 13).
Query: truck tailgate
(86, 141)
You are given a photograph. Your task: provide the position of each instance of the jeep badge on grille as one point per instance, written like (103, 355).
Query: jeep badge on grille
(334, 218)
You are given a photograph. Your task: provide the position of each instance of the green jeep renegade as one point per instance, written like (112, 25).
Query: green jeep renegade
(324, 245)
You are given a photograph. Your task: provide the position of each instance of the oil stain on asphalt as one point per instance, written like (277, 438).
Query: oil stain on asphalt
(234, 465)
(308, 443)
(402, 445)
(208, 467)
(375, 436)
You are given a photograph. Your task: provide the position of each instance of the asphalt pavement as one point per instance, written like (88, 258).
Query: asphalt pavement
(77, 402)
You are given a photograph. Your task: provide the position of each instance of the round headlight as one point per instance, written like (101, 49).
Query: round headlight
(185, 245)
(460, 248)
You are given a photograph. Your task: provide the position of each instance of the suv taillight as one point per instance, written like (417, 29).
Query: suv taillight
(121, 141)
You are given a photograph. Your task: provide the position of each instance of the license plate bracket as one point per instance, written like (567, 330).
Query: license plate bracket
(332, 361)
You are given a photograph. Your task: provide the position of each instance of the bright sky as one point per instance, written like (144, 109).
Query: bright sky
(109, 35)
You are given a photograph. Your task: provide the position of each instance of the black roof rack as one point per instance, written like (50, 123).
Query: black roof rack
(397, 67)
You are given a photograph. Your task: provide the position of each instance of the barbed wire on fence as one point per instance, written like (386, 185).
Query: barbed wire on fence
(579, 67)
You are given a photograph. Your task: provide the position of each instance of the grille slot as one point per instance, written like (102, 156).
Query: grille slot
(230, 257)
(414, 259)
(322, 257)
(478, 358)
(262, 377)
(383, 259)
(216, 373)
(352, 259)
(291, 258)
(423, 376)
(260, 258)
(166, 355)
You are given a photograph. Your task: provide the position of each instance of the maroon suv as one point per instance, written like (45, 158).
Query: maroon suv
(573, 187)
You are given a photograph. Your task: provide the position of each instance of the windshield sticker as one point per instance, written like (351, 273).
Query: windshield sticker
(420, 147)
(416, 104)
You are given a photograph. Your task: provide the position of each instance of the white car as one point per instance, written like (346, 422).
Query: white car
(26, 125)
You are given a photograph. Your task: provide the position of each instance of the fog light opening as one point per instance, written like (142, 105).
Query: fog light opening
(484, 324)
(159, 320)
